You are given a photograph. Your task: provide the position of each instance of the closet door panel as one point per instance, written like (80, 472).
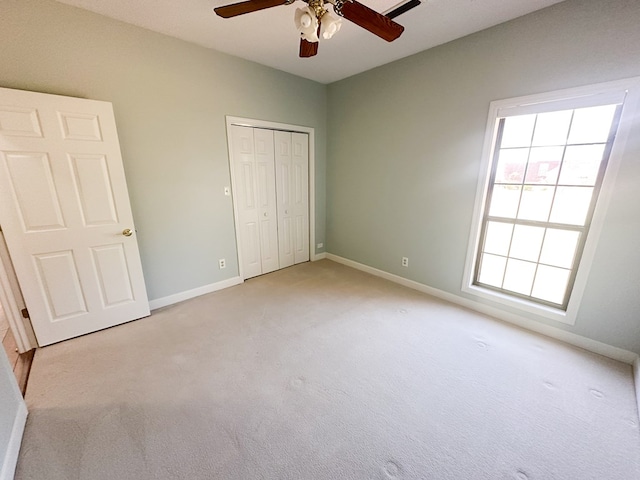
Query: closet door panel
(300, 195)
(266, 193)
(247, 200)
(284, 175)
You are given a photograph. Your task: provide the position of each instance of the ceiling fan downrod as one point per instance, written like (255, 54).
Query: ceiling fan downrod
(317, 6)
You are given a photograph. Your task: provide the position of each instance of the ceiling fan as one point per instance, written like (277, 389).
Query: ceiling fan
(316, 20)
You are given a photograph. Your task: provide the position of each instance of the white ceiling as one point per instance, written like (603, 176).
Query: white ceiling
(269, 36)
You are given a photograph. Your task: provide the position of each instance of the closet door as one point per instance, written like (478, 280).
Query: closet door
(266, 189)
(253, 161)
(300, 195)
(284, 176)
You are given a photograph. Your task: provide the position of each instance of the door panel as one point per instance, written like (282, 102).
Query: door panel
(111, 268)
(248, 213)
(34, 192)
(63, 206)
(265, 164)
(78, 126)
(58, 275)
(300, 188)
(248, 185)
(267, 247)
(287, 240)
(252, 257)
(93, 189)
(19, 122)
(283, 189)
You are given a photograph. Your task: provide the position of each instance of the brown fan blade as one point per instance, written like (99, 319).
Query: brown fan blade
(371, 20)
(308, 49)
(241, 8)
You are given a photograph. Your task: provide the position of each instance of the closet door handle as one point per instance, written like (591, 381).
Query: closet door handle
(265, 214)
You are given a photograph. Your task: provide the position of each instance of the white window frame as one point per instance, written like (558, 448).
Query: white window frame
(562, 99)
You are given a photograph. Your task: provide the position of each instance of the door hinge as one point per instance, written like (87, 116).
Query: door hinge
(25, 313)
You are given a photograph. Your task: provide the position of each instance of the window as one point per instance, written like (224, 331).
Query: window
(546, 162)
(546, 174)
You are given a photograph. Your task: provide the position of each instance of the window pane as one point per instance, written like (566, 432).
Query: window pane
(591, 125)
(519, 276)
(498, 238)
(550, 284)
(571, 205)
(535, 203)
(504, 201)
(552, 128)
(492, 270)
(544, 164)
(526, 242)
(518, 131)
(581, 165)
(559, 247)
(511, 165)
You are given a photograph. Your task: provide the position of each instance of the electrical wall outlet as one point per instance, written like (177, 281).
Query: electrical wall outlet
(320, 245)
(405, 262)
(222, 263)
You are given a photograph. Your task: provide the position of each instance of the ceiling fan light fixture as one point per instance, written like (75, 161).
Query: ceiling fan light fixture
(307, 24)
(314, 20)
(329, 25)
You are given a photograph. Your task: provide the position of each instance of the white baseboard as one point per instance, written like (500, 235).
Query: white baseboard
(213, 287)
(553, 332)
(13, 449)
(196, 292)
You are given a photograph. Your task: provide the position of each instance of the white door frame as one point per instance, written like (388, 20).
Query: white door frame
(12, 310)
(251, 122)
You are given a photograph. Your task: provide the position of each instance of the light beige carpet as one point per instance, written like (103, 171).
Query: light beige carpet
(321, 372)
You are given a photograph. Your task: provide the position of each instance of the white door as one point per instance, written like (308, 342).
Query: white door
(300, 195)
(65, 213)
(266, 189)
(284, 175)
(243, 168)
(253, 170)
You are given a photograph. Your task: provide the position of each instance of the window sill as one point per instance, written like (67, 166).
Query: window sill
(544, 311)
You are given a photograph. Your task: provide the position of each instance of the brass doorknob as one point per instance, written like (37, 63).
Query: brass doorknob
(127, 232)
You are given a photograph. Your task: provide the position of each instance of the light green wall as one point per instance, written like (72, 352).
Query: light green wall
(405, 144)
(170, 100)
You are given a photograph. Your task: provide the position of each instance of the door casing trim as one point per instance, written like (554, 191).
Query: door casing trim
(12, 310)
